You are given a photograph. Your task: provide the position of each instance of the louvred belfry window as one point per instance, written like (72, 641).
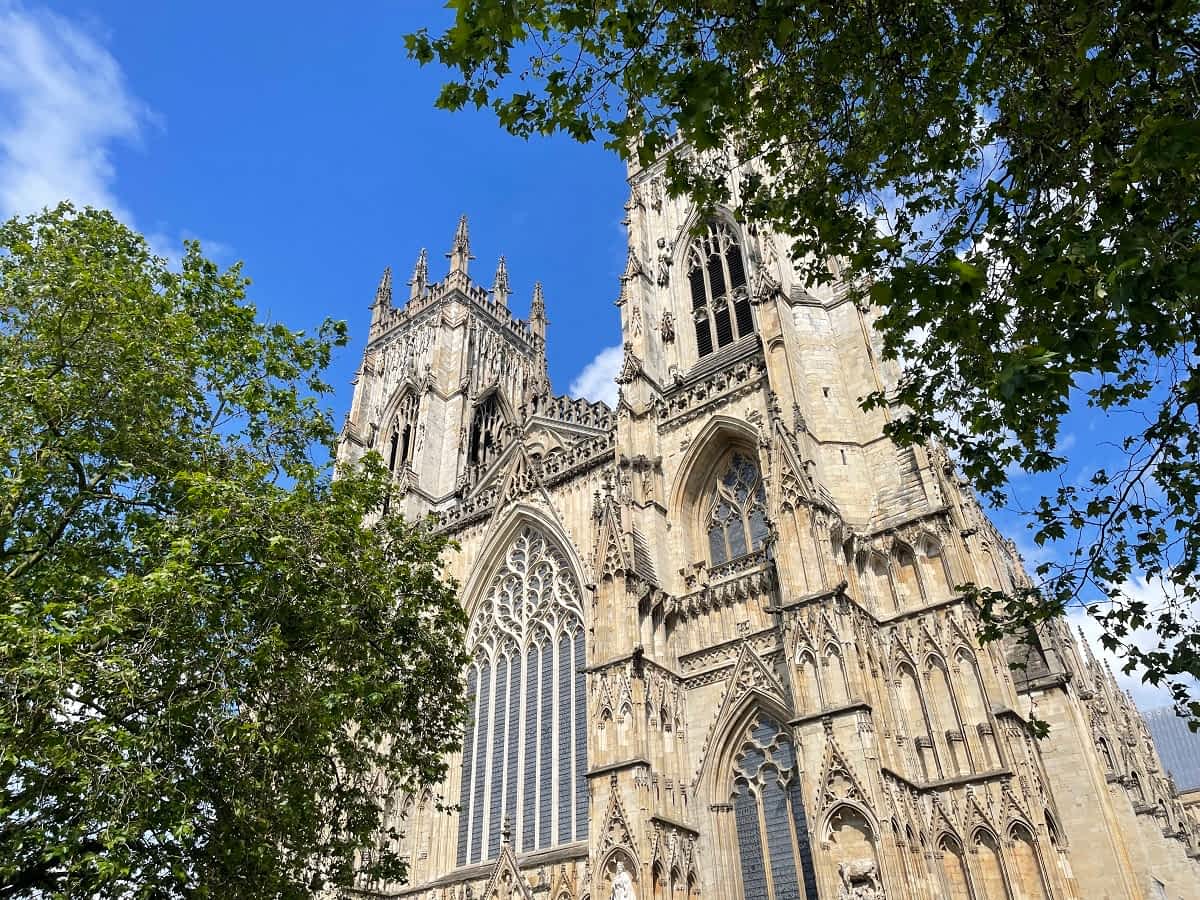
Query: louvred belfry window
(717, 279)
(737, 517)
(524, 756)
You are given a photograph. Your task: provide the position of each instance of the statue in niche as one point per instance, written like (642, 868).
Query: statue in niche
(859, 880)
(664, 262)
(622, 885)
(667, 328)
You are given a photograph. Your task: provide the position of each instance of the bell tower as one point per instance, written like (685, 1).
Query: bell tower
(444, 379)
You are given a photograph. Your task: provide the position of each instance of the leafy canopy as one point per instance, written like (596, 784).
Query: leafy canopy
(1014, 185)
(212, 672)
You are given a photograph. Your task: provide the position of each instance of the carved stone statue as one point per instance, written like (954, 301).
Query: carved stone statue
(622, 886)
(859, 880)
(667, 329)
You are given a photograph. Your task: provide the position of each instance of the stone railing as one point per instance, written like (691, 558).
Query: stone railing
(573, 411)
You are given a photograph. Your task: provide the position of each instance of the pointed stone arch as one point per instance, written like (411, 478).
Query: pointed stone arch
(956, 877)
(752, 690)
(721, 436)
(1027, 861)
(689, 231)
(992, 882)
(503, 531)
(906, 577)
(527, 687)
(933, 566)
(850, 835)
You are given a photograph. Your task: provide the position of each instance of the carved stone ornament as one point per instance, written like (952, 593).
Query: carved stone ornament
(667, 328)
(630, 368)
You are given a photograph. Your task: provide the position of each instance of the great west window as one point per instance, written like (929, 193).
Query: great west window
(525, 750)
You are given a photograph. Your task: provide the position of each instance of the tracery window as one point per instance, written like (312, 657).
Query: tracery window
(524, 756)
(772, 831)
(485, 431)
(400, 447)
(717, 277)
(737, 517)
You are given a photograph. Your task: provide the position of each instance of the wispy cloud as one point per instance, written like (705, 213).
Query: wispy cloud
(64, 105)
(596, 381)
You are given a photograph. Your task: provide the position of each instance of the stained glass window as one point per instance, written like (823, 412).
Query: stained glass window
(525, 749)
(772, 832)
(737, 518)
(717, 279)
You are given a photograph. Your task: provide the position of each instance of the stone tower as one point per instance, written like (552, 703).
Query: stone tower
(716, 647)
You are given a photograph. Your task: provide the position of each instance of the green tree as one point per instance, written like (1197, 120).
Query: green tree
(212, 670)
(1013, 184)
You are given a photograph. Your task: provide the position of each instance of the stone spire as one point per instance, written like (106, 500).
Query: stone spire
(500, 289)
(420, 276)
(383, 297)
(537, 312)
(460, 252)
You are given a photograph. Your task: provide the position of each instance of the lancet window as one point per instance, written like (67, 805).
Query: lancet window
(737, 514)
(772, 832)
(404, 430)
(717, 278)
(524, 759)
(485, 431)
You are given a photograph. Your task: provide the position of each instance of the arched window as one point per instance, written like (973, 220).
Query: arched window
(525, 750)
(404, 432)
(484, 441)
(737, 516)
(772, 832)
(717, 277)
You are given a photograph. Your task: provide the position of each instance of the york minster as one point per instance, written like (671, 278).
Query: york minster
(716, 646)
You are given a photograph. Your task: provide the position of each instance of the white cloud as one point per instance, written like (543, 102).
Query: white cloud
(63, 105)
(596, 381)
(1144, 695)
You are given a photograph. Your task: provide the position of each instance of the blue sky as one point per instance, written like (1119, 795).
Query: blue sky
(300, 139)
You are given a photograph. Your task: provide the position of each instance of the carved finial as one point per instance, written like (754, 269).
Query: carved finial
(420, 276)
(460, 252)
(506, 831)
(537, 311)
(383, 296)
(383, 293)
(500, 290)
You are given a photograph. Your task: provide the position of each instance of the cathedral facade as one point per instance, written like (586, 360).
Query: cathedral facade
(716, 647)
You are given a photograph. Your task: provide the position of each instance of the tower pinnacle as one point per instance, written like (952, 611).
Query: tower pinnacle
(460, 251)
(500, 289)
(537, 311)
(420, 276)
(383, 296)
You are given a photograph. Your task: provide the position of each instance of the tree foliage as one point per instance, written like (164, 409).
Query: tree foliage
(1014, 185)
(211, 670)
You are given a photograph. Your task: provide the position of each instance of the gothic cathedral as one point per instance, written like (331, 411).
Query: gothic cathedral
(717, 652)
